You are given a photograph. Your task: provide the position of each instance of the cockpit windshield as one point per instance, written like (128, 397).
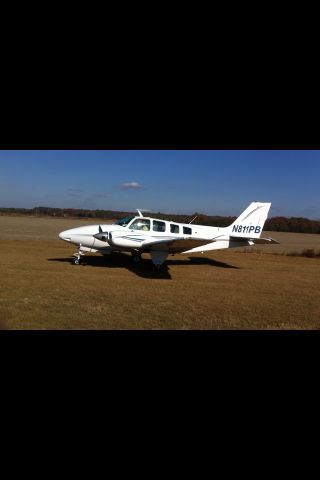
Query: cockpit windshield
(124, 221)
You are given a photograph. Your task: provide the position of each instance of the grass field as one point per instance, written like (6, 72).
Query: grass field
(41, 289)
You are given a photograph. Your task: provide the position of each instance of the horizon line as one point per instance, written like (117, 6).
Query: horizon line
(161, 213)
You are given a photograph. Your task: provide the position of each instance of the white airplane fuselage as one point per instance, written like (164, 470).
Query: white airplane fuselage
(128, 239)
(161, 238)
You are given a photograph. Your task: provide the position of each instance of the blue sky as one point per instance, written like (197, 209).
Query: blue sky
(175, 181)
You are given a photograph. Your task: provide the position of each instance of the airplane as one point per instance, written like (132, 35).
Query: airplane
(161, 238)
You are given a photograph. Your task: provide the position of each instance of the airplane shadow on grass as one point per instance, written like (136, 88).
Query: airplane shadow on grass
(145, 268)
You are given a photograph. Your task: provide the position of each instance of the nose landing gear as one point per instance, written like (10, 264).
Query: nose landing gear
(78, 255)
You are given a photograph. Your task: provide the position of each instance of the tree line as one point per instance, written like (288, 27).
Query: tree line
(275, 224)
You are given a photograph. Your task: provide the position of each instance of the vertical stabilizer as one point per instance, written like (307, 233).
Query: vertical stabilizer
(251, 222)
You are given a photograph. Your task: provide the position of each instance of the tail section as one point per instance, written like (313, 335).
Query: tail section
(251, 222)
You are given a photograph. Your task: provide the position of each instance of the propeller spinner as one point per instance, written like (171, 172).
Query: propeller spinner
(103, 236)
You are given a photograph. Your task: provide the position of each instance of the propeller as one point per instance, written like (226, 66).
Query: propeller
(101, 235)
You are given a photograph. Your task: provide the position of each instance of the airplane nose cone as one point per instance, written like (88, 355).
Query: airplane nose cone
(64, 236)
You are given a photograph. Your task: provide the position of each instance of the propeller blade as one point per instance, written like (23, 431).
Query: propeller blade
(100, 229)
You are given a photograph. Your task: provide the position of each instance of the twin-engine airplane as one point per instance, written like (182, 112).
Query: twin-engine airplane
(161, 238)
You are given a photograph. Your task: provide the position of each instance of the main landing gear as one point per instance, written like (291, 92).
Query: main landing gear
(136, 258)
(78, 255)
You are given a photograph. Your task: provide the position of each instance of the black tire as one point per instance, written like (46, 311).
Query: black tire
(136, 258)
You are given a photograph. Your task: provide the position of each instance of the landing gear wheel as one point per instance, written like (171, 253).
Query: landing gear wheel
(136, 258)
(78, 256)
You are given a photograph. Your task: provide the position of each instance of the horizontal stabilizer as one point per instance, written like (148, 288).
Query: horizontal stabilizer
(256, 241)
(260, 241)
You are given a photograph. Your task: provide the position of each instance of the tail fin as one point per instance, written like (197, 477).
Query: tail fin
(251, 222)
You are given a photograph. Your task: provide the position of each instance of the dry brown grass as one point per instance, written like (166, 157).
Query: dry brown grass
(41, 289)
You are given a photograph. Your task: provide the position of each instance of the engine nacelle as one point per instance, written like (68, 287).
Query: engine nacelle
(123, 242)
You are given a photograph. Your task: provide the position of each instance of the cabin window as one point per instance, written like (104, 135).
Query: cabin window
(187, 231)
(124, 221)
(141, 224)
(159, 226)
(174, 228)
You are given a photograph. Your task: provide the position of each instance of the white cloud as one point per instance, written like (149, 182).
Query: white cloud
(133, 185)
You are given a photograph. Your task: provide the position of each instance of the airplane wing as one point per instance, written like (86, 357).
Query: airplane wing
(185, 244)
(178, 244)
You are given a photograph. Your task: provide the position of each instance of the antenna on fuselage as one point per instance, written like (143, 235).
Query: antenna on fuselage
(139, 210)
(193, 219)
